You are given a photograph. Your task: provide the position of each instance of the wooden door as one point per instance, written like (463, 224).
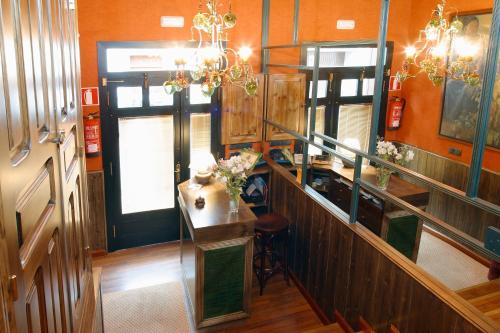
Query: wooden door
(40, 169)
(29, 172)
(72, 180)
(285, 104)
(242, 114)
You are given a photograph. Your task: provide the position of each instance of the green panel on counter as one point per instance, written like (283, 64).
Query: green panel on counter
(224, 281)
(402, 233)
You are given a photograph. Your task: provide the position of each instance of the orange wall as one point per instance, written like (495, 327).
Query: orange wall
(138, 20)
(422, 116)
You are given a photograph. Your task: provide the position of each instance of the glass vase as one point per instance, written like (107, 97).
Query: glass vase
(234, 203)
(383, 177)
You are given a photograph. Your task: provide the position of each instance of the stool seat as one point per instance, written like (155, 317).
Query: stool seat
(267, 260)
(271, 223)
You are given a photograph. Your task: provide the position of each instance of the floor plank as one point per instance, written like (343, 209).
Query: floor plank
(281, 309)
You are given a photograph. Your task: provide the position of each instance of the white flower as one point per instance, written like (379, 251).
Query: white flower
(398, 156)
(409, 155)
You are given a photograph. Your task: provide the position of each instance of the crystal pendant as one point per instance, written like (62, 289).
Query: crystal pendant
(229, 20)
(200, 21)
(207, 89)
(456, 26)
(196, 74)
(216, 80)
(251, 87)
(169, 87)
(235, 72)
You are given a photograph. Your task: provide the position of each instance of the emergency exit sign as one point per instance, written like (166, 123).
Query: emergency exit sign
(90, 96)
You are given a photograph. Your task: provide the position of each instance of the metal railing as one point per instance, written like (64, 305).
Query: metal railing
(469, 197)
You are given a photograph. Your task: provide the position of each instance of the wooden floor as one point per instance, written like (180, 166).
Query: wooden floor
(485, 297)
(282, 308)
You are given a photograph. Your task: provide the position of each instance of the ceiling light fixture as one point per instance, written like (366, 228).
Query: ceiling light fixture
(440, 51)
(215, 64)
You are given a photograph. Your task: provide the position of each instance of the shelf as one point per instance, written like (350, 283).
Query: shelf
(256, 204)
(322, 190)
(262, 170)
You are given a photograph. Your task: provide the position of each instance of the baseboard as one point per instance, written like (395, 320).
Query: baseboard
(483, 261)
(316, 308)
(98, 253)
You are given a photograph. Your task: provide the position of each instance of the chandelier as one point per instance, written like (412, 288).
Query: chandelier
(214, 63)
(440, 51)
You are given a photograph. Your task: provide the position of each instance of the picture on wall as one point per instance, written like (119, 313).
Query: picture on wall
(461, 101)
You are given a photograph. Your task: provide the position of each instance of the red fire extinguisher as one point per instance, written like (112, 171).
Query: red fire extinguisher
(92, 135)
(395, 113)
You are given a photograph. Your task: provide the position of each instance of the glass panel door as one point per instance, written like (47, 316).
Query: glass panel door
(147, 165)
(141, 161)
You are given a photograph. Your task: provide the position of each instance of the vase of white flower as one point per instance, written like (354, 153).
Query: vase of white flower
(389, 152)
(234, 173)
(383, 177)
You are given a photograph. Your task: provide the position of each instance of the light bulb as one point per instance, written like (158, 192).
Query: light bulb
(439, 51)
(465, 49)
(210, 54)
(245, 52)
(410, 51)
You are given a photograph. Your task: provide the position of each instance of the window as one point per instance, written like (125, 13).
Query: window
(196, 96)
(144, 59)
(344, 57)
(129, 97)
(322, 89)
(146, 165)
(319, 128)
(368, 87)
(158, 97)
(349, 88)
(354, 125)
(200, 136)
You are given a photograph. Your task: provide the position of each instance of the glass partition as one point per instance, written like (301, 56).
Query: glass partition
(411, 192)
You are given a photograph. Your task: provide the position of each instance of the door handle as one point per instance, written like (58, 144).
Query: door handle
(178, 172)
(330, 80)
(59, 139)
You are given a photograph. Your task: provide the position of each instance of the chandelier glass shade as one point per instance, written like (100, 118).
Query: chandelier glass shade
(441, 51)
(215, 64)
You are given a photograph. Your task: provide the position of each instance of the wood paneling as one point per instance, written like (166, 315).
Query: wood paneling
(454, 212)
(97, 215)
(242, 115)
(346, 267)
(285, 104)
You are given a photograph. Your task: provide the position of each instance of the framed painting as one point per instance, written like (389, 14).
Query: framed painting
(461, 101)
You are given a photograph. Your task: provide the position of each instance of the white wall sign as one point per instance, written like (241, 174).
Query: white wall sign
(172, 21)
(346, 24)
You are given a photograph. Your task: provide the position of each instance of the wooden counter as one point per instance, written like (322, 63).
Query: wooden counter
(400, 188)
(399, 228)
(216, 255)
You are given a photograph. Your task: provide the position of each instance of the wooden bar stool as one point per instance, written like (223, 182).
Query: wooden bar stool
(269, 229)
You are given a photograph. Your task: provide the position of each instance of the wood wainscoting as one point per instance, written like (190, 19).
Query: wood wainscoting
(464, 217)
(348, 268)
(97, 212)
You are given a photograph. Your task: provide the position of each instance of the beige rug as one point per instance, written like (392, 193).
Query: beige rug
(452, 267)
(153, 309)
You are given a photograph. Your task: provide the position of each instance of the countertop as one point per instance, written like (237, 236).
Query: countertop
(214, 222)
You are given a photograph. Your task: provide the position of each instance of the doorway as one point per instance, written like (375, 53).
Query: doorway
(346, 85)
(149, 138)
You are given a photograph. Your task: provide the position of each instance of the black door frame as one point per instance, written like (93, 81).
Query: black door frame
(333, 100)
(182, 116)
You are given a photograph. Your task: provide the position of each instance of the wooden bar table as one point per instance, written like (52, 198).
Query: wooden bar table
(216, 254)
(399, 228)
